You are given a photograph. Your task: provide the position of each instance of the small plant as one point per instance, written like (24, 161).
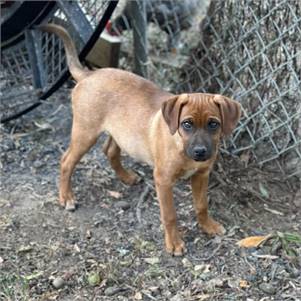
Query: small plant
(13, 287)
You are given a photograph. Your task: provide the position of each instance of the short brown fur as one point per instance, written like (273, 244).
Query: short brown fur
(148, 124)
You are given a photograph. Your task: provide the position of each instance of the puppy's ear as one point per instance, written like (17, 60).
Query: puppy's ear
(171, 111)
(230, 113)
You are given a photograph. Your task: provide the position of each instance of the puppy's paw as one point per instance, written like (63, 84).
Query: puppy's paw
(129, 178)
(69, 204)
(175, 248)
(212, 227)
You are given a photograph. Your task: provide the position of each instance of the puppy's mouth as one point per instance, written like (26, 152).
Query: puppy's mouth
(203, 159)
(198, 154)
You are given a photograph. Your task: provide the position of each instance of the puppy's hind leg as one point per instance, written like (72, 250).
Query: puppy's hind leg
(80, 144)
(112, 151)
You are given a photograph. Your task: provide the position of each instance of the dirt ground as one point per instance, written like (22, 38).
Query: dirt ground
(111, 247)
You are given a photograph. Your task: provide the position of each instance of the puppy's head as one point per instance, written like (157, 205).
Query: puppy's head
(201, 119)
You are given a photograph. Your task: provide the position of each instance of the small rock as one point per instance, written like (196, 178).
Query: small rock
(123, 205)
(58, 282)
(267, 288)
(38, 164)
(212, 284)
(112, 290)
(9, 145)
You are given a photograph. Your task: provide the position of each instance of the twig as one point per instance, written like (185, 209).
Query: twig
(148, 295)
(140, 201)
(211, 255)
(265, 256)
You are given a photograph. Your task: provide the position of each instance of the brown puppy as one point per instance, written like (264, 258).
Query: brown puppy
(177, 134)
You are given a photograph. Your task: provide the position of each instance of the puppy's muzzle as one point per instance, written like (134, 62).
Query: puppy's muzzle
(200, 153)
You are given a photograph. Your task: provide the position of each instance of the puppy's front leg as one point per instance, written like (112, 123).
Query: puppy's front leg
(199, 185)
(173, 242)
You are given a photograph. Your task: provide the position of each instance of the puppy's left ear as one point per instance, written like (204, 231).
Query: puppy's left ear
(230, 112)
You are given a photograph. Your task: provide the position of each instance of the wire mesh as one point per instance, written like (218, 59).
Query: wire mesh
(255, 58)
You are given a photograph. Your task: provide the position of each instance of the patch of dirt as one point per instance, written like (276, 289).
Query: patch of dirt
(111, 247)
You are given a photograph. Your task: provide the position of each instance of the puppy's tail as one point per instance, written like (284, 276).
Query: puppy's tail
(75, 67)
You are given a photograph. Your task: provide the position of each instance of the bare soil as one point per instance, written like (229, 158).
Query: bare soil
(111, 247)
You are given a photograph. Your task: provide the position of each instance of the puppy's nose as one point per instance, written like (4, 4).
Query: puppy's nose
(199, 152)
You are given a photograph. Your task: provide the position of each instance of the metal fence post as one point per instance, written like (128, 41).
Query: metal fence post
(138, 17)
(34, 46)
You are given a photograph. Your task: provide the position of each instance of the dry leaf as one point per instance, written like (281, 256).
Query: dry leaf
(186, 263)
(138, 296)
(252, 241)
(202, 268)
(244, 284)
(76, 248)
(152, 260)
(24, 249)
(115, 194)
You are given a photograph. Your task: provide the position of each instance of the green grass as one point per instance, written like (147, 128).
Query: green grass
(13, 287)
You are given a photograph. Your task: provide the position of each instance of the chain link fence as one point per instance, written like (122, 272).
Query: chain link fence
(247, 50)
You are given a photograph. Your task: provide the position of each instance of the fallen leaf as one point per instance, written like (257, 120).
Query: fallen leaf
(25, 249)
(202, 268)
(244, 284)
(186, 263)
(152, 260)
(138, 296)
(263, 191)
(115, 194)
(76, 248)
(252, 241)
(43, 126)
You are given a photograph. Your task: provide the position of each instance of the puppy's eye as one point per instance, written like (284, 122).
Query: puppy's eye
(187, 125)
(213, 125)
